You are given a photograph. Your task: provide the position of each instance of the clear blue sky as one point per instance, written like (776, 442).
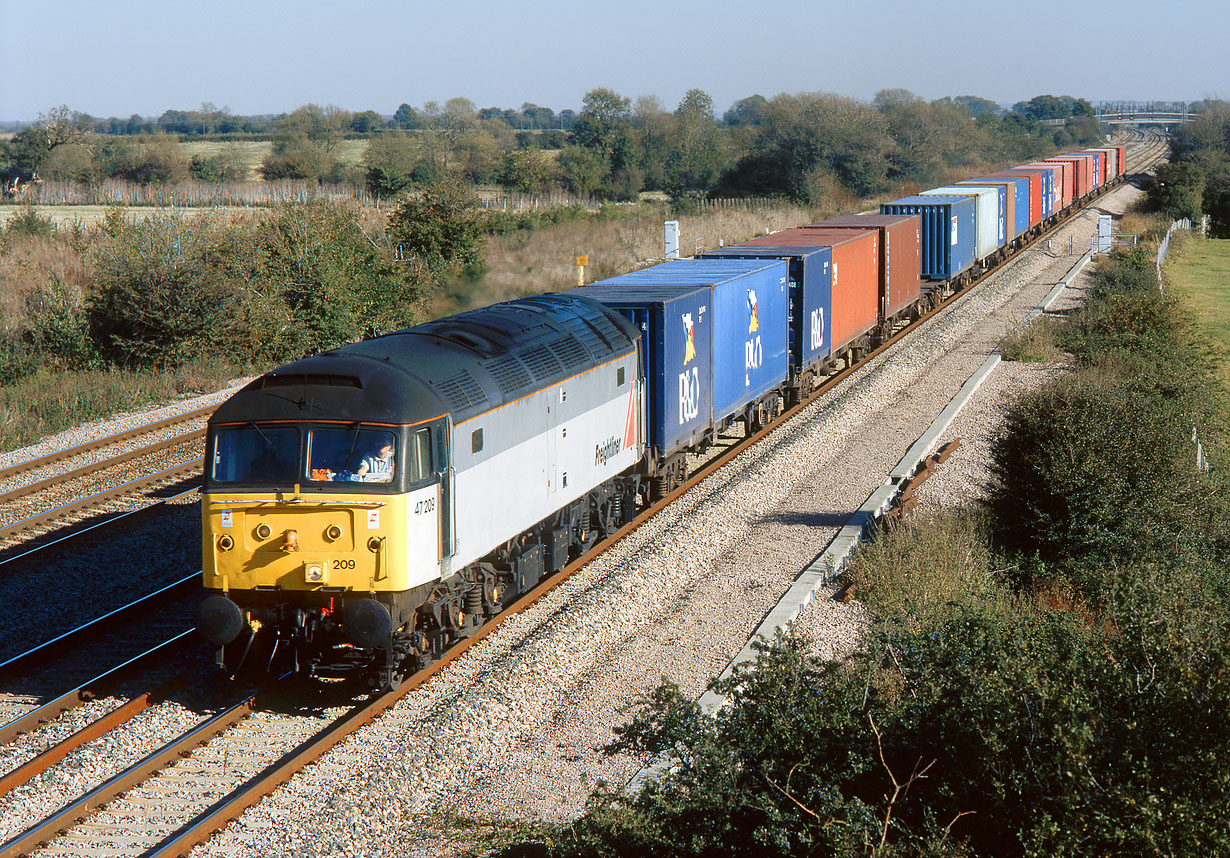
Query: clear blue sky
(270, 56)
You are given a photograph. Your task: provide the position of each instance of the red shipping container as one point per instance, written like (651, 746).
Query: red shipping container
(856, 276)
(1081, 173)
(1061, 183)
(1122, 160)
(900, 256)
(1084, 170)
(1035, 192)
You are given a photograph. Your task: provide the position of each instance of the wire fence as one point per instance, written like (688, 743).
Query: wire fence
(1164, 247)
(116, 192)
(193, 194)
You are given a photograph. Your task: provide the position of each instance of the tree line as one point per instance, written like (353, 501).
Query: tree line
(1196, 182)
(807, 147)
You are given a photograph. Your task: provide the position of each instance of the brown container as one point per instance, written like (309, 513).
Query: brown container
(856, 276)
(900, 251)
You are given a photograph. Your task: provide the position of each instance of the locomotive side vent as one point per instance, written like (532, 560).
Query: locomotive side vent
(570, 351)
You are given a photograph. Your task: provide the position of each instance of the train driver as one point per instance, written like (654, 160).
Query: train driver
(377, 467)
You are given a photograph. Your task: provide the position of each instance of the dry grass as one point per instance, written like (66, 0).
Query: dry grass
(925, 563)
(66, 216)
(1037, 341)
(1141, 224)
(50, 401)
(29, 270)
(533, 262)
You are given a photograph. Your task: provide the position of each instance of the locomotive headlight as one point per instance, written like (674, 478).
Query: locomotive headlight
(225, 542)
(314, 573)
(263, 531)
(333, 532)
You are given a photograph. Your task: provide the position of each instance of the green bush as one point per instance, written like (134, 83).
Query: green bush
(970, 731)
(323, 282)
(440, 230)
(305, 278)
(159, 290)
(29, 222)
(1099, 466)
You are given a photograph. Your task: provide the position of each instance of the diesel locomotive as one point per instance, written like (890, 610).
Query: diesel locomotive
(514, 433)
(366, 507)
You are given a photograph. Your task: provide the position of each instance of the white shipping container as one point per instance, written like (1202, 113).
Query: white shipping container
(988, 226)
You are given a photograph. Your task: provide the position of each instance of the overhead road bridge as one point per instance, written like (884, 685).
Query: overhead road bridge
(1146, 118)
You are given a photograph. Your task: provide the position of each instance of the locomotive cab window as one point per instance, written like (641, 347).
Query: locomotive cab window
(351, 454)
(256, 454)
(418, 458)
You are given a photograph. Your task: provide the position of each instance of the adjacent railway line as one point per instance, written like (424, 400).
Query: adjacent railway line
(197, 780)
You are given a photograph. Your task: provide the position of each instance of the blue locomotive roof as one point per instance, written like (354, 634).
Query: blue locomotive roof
(464, 365)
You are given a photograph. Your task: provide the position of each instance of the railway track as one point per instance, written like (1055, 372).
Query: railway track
(44, 502)
(152, 820)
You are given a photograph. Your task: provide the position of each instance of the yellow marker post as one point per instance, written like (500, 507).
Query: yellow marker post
(581, 262)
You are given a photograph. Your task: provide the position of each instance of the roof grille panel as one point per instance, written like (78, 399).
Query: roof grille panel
(541, 362)
(509, 374)
(570, 351)
(462, 391)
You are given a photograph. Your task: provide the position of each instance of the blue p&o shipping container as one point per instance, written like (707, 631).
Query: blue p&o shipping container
(948, 230)
(676, 358)
(1049, 203)
(1020, 186)
(811, 296)
(751, 319)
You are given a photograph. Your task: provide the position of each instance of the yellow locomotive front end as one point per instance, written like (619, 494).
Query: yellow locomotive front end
(318, 540)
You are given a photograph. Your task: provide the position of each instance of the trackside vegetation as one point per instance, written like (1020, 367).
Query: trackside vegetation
(1048, 673)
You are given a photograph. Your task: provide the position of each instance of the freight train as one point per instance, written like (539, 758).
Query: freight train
(366, 507)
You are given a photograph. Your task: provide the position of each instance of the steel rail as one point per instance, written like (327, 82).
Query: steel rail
(106, 441)
(90, 803)
(94, 467)
(102, 725)
(83, 528)
(87, 690)
(74, 638)
(131, 487)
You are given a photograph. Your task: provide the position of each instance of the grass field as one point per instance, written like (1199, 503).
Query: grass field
(1200, 273)
(254, 151)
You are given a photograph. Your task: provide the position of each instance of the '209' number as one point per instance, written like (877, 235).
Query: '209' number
(343, 564)
(425, 505)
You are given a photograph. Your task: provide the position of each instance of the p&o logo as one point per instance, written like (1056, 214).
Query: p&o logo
(753, 324)
(689, 379)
